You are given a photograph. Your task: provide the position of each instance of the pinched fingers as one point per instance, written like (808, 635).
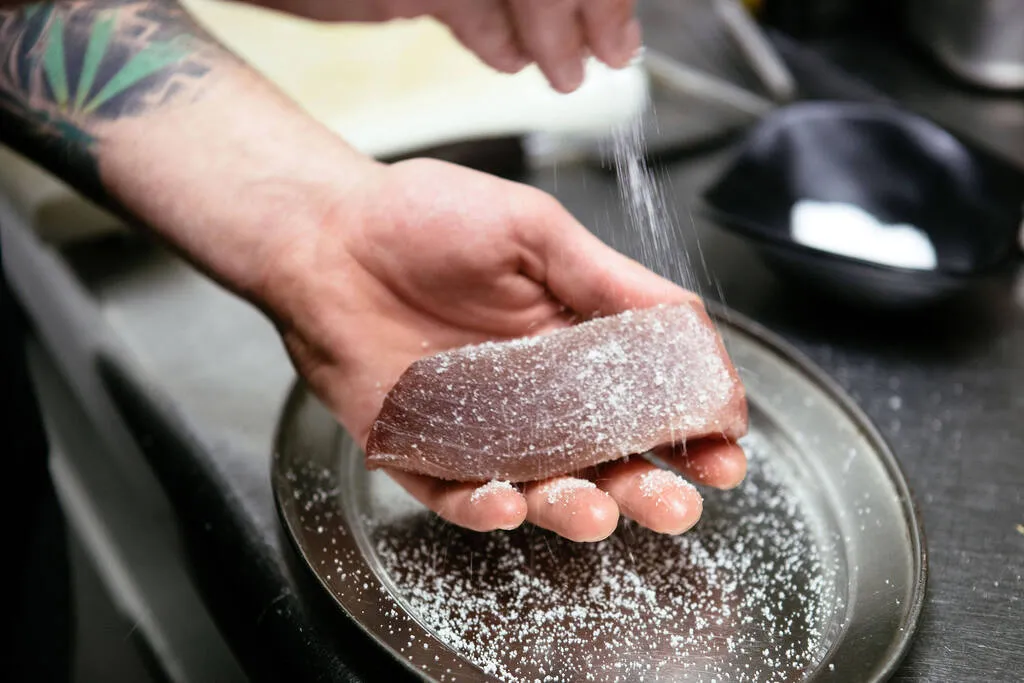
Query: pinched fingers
(551, 33)
(612, 32)
(486, 27)
(559, 34)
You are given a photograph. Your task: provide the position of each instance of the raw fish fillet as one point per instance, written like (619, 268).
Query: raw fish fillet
(554, 404)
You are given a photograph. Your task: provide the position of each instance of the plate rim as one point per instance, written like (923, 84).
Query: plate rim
(908, 502)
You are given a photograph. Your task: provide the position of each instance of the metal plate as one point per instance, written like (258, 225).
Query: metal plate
(813, 569)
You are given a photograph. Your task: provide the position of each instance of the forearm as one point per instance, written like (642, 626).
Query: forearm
(133, 104)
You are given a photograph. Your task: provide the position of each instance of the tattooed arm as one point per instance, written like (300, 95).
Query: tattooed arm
(133, 104)
(362, 267)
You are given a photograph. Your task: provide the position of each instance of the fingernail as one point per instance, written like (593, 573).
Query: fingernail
(515, 63)
(568, 76)
(638, 57)
(624, 48)
(632, 42)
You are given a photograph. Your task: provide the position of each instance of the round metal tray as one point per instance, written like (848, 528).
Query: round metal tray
(813, 569)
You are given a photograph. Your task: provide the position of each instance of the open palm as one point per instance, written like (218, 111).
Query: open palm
(437, 256)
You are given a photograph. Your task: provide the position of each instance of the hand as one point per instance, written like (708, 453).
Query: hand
(508, 34)
(426, 256)
(363, 267)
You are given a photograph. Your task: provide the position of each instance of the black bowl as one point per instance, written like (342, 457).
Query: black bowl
(876, 167)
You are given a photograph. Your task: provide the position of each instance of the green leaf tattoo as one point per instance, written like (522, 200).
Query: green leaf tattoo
(53, 62)
(150, 60)
(98, 41)
(68, 67)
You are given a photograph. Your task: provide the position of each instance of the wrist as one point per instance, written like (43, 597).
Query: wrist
(294, 222)
(306, 226)
(234, 181)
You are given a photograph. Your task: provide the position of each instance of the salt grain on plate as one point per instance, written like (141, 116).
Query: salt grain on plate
(755, 575)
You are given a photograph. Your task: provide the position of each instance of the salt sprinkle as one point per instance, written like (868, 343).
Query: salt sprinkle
(489, 489)
(564, 489)
(650, 215)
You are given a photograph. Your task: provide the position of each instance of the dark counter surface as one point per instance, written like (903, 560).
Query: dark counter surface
(199, 377)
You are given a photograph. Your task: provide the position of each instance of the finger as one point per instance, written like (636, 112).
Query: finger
(485, 27)
(653, 497)
(580, 270)
(612, 33)
(550, 32)
(712, 462)
(472, 505)
(597, 280)
(573, 508)
(656, 498)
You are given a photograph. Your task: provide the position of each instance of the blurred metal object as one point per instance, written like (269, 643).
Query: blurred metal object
(809, 19)
(710, 74)
(737, 32)
(761, 55)
(670, 75)
(980, 41)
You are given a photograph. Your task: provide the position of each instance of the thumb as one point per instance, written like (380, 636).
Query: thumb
(590, 277)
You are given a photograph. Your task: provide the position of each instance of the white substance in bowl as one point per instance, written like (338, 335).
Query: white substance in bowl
(849, 230)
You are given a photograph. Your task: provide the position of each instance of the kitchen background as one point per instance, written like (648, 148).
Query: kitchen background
(181, 571)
